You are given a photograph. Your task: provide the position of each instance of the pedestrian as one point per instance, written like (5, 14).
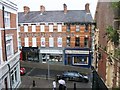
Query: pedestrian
(62, 84)
(54, 85)
(33, 83)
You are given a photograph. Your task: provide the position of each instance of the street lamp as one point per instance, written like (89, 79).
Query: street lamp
(47, 59)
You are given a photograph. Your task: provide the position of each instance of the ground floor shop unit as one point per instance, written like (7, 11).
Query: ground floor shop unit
(54, 55)
(10, 73)
(78, 57)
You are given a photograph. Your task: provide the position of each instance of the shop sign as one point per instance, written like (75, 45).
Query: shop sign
(52, 51)
(76, 52)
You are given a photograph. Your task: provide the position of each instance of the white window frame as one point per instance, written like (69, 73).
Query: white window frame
(25, 28)
(33, 28)
(59, 41)
(26, 42)
(9, 46)
(51, 42)
(59, 28)
(34, 43)
(42, 41)
(50, 28)
(7, 19)
(42, 28)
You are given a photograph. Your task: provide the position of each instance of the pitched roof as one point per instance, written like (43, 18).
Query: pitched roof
(55, 16)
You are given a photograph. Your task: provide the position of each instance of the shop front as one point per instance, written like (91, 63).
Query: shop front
(54, 55)
(30, 54)
(77, 57)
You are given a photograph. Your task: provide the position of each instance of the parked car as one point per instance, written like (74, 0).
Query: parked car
(73, 76)
(22, 71)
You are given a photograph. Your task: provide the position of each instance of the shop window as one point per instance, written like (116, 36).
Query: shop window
(77, 41)
(86, 40)
(77, 28)
(68, 28)
(68, 41)
(80, 60)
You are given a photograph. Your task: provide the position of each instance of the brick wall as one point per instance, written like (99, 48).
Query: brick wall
(63, 34)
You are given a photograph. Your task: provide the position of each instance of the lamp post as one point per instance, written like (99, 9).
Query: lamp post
(47, 59)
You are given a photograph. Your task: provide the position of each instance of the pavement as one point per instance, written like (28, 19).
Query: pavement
(42, 83)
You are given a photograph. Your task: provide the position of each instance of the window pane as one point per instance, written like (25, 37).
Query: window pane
(42, 28)
(25, 28)
(33, 28)
(34, 44)
(77, 28)
(51, 42)
(42, 42)
(59, 28)
(59, 42)
(50, 28)
(26, 42)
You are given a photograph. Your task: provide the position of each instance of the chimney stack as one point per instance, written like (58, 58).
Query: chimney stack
(65, 8)
(26, 9)
(42, 9)
(87, 8)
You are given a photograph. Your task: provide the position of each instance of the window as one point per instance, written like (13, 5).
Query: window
(51, 42)
(86, 42)
(50, 28)
(7, 19)
(77, 41)
(26, 42)
(33, 28)
(80, 60)
(25, 28)
(86, 27)
(68, 28)
(42, 28)
(68, 41)
(59, 28)
(9, 46)
(34, 44)
(77, 28)
(59, 42)
(42, 42)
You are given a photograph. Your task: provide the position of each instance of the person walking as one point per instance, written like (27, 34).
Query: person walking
(54, 85)
(62, 84)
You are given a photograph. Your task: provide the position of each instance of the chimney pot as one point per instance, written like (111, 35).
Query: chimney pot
(26, 9)
(42, 9)
(65, 8)
(87, 8)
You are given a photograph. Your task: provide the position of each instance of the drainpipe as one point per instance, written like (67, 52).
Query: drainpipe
(5, 46)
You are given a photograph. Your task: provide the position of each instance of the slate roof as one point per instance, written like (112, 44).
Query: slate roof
(55, 16)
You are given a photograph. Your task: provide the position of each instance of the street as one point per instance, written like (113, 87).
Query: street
(39, 75)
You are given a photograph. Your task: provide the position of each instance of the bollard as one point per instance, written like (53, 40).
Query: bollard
(33, 83)
(46, 77)
(74, 86)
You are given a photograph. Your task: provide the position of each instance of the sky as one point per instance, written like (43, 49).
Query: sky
(34, 5)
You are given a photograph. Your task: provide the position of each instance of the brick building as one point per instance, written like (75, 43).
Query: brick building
(64, 36)
(107, 65)
(9, 52)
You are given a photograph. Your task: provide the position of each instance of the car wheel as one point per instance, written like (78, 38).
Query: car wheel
(85, 80)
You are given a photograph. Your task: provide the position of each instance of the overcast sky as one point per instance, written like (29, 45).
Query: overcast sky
(56, 4)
